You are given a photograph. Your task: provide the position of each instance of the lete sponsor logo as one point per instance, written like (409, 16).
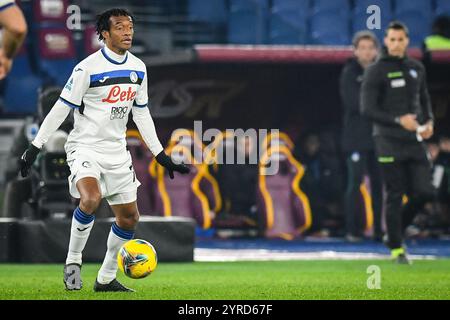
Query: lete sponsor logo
(116, 94)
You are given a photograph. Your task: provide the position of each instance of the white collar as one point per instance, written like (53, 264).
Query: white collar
(116, 57)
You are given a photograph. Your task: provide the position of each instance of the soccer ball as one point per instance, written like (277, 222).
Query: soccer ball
(137, 258)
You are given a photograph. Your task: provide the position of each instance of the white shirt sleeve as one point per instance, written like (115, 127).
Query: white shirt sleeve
(141, 100)
(144, 122)
(5, 4)
(143, 119)
(75, 88)
(51, 123)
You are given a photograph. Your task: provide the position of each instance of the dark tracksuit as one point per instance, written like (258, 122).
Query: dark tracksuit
(393, 87)
(358, 147)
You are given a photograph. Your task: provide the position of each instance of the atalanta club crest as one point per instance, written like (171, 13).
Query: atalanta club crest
(133, 77)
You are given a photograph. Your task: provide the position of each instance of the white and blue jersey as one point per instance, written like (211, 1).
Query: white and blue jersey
(6, 4)
(103, 89)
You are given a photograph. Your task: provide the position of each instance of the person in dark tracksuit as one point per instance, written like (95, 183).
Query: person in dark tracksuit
(394, 96)
(357, 140)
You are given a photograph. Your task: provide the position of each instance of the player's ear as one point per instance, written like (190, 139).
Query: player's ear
(105, 34)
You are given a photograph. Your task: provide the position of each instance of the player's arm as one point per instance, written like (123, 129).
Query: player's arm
(146, 126)
(370, 92)
(425, 100)
(349, 98)
(51, 123)
(427, 110)
(14, 33)
(71, 98)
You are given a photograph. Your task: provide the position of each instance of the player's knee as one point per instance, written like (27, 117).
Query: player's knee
(19, 30)
(89, 203)
(129, 220)
(133, 219)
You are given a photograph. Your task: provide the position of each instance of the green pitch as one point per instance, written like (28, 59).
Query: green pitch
(242, 280)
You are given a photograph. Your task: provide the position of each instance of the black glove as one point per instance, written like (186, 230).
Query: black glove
(166, 162)
(27, 159)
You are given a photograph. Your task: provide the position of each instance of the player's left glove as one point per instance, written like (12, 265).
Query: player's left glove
(27, 159)
(167, 162)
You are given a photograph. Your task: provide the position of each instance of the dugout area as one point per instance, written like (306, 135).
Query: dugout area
(291, 88)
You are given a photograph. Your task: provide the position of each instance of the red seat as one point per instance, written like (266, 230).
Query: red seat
(91, 42)
(183, 196)
(365, 206)
(194, 195)
(57, 54)
(286, 209)
(54, 11)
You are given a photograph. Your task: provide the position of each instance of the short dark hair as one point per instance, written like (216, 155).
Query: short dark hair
(103, 23)
(397, 25)
(365, 35)
(441, 26)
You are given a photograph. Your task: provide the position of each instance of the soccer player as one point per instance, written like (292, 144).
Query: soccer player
(103, 89)
(14, 33)
(395, 97)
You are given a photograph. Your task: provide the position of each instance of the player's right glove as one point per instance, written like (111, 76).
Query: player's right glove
(27, 159)
(166, 162)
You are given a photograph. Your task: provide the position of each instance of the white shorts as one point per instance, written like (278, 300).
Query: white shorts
(115, 174)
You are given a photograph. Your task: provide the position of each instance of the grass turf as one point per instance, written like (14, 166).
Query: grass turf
(269, 280)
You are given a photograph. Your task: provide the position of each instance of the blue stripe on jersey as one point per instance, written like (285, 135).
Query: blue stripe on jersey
(6, 6)
(122, 233)
(70, 104)
(139, 105)
(82, 217)
(111, 60)
(116, 74)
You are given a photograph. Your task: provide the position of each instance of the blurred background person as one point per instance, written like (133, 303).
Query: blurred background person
(322, 181)
(15, 30)
(357, 141)
(433, 220)
(395, 97)
(238, 185)
(441, 180)
(440, 34)
(307, 151)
